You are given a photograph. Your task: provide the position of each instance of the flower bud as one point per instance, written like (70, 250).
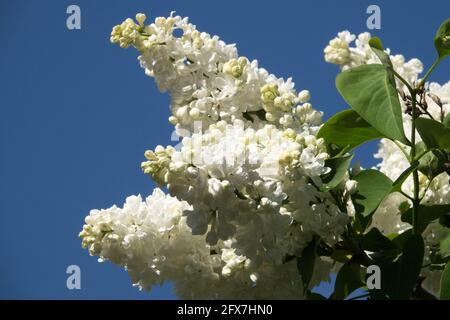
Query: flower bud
(351, 186)
(304, 96)
(140, 18)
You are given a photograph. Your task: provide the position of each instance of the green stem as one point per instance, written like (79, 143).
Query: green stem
(435, 64)
(399, 77)
(415, 208)
(407, 196)
(412, 157)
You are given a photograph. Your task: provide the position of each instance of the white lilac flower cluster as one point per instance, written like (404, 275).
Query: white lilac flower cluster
(151, 240)
(392, 159)
(208, 81)
(341, 53)
(256, 187)
(244, 184)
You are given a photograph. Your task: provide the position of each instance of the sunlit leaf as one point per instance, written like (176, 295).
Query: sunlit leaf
(371, 92)
(434, 134)
(346, 130)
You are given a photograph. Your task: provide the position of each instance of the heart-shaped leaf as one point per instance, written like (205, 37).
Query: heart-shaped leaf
(346, 130)
(371, 91)
(373, 187)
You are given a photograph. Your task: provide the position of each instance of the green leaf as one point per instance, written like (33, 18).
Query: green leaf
(383, 249)
(397, 185)
(399, 278)
(305, 263)
(389, 255)
(447, 121)
(371, 92)
(348, 280)
(443, 235)
(339, 167)
(400, 239)
(375, 43)
(434, 134)
(432, 163)
(442, 39)
(377, 48)
(402, 207)
(346, 130)
(374, 241)
(409, 267)
(373, 187)
(445, 283)
(426, 215)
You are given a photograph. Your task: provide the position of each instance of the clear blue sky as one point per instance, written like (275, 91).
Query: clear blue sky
(77, 113)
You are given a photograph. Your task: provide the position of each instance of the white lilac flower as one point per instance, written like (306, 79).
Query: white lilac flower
(244, 183)
(151, 240)
(341, 53)
(256, 188)
(207, 80)
(338, 50)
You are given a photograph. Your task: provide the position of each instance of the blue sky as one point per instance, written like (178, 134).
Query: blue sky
(77, 113)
